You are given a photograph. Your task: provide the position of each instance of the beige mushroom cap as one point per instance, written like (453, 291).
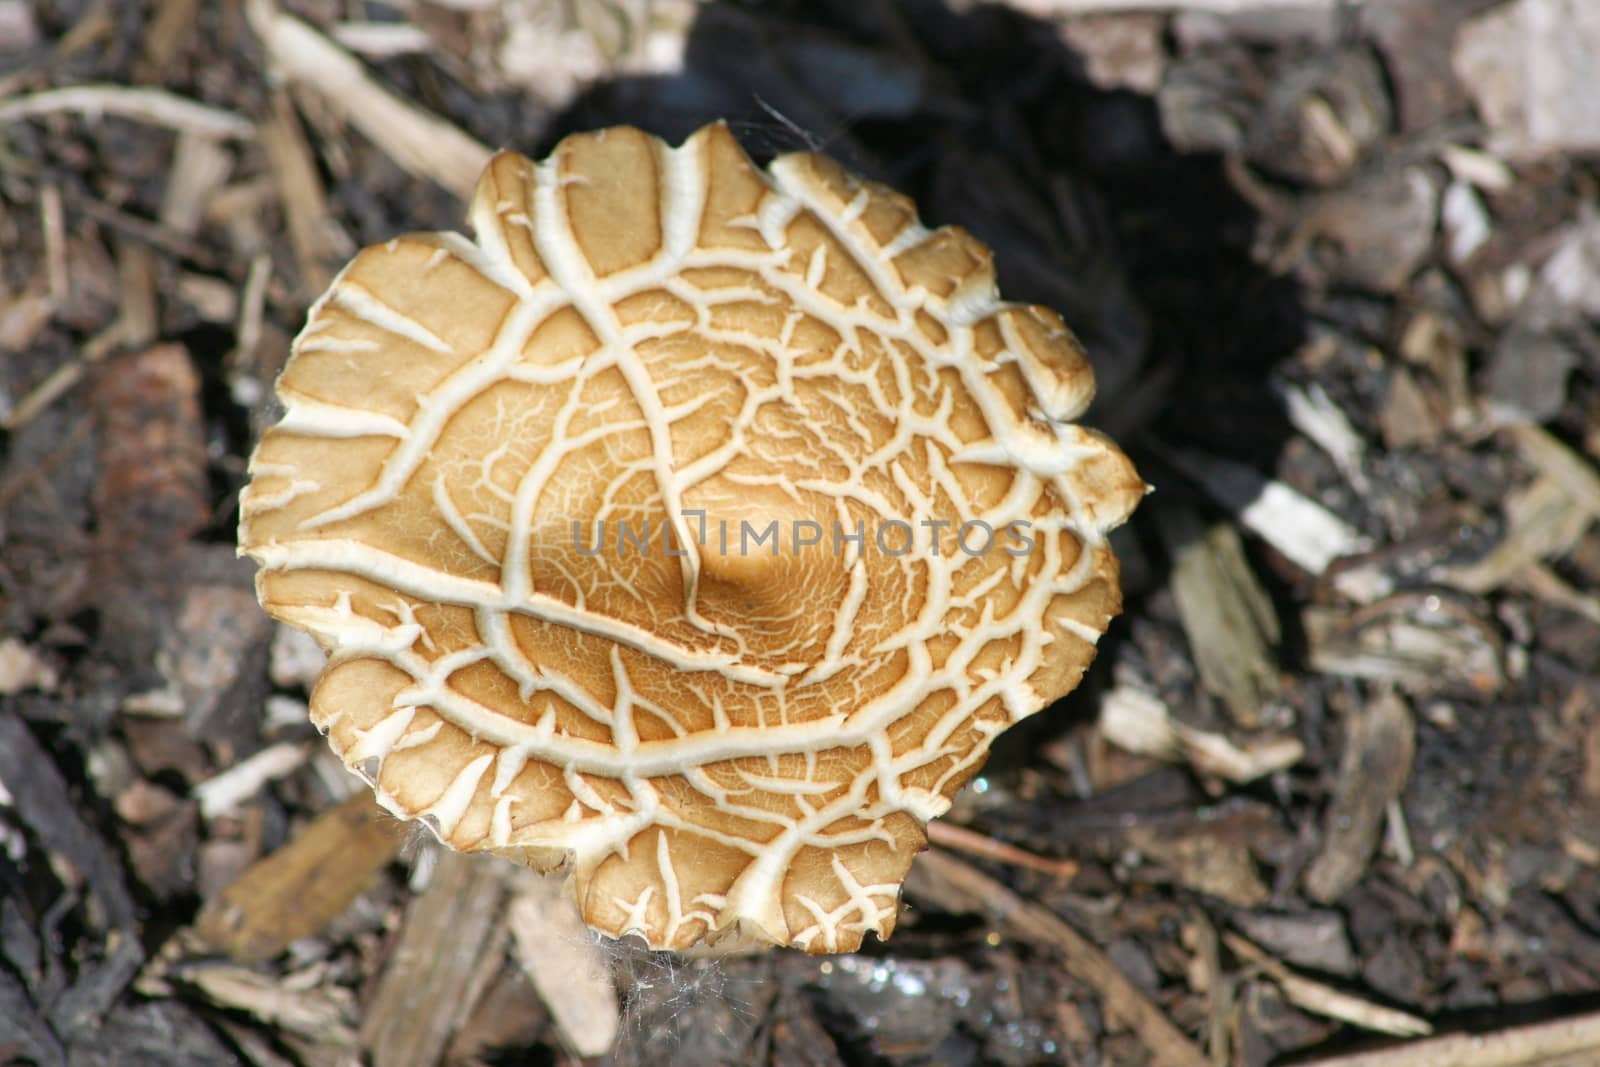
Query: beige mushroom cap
(696, 526)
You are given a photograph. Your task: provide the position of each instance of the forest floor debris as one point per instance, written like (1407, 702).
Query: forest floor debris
(1337, 267)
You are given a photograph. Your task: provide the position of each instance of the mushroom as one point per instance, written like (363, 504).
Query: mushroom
(695, 527)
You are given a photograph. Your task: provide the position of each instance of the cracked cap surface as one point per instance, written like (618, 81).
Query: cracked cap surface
(524, 492)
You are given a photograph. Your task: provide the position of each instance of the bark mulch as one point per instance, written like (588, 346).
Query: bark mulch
(1331, 793)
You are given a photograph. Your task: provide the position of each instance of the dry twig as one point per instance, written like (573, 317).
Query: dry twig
(960, 839)
(423, 144)
(1569, 1042)
(955, 885)
(1325, 1000)
(155, 106)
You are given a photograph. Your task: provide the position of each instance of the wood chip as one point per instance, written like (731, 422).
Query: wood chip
(1409, 416)
(21, 319)
(21, 668)
(423, 991)
(323, 1011)
(1569, 281)
(18, 30)
(566, 965)
(297, 890)
(1465, 220)
(1126, 52)
(1430, 341)
(138, 317)
(1421, 641)
(35, 794)
(223, 793)
(200, 167)
(1226, 614)
(1540, 581)
(1380, 742)
(508, 1015)
(165, 30)
(318, 241)
(1483, 169)
(1575, 474)
(1545, 523)
(212, 299)
(1590, 781)
(1302, 530)
(153, 491)
(1139, 722)
(1529, 67)
(297, 659)
(1383, 223)
(1313, 413)
(1314, 939)
(1209, 856)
